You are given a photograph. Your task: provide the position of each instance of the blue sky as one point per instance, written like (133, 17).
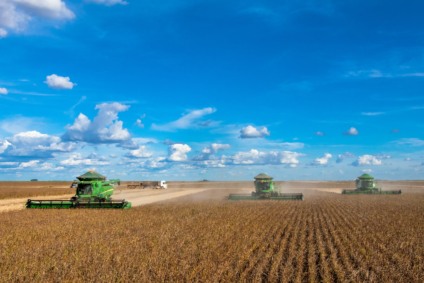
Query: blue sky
(219, 90)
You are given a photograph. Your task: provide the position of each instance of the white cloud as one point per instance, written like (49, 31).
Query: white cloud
(372, 113)
(209, 151)
(108, 2)
(15, 15)
(420, 75)
(367, 74)
(3, 90)
(36, 165)
(373, 73)
(105, 127)
(252, 132)
(411, 142)
(46, 166)
(4, 145)
(319, 133)
(77, 160)
(213, 163)
(292, 145)
(19, 124)
(341, 157)
(141, 152)
(323, 160)
(10, 18)
(29, 164)
(178, 152)
(59, 82)
(33, 143)
(352, 132)
(215, 147)
(139, 123)
(190, 120)
(367, 159)
(155, 163)
(255, 156)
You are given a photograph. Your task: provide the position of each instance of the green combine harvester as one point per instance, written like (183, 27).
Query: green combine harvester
(92, 191)
(365, 184)
(265, 190)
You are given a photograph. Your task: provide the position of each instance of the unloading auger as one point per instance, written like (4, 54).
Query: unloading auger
(92, 191)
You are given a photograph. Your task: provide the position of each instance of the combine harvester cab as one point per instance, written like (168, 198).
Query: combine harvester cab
(265, 190)
(365, 184)
(92, 191)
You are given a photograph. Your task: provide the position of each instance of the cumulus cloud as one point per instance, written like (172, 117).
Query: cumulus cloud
(156, 163)
(191, 120)
(29, 164)
(178, 152)
(323, 160)
(105, 127)
(4, 145)
(108, 2)
(343, 156)
(213, 163)
(10, 18)
(33, 143)
(77, 160)
(209, 151)
(255, 156)
(352, 132)
(3, 91)
(59, 82)
(15, 15)
(252, 132)
(319, 133)
(215, 147)
(141, 152)
(367, 159)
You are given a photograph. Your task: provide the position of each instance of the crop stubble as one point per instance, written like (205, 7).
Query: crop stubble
(328, 238)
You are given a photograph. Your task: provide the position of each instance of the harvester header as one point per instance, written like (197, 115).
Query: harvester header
(93, 190)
